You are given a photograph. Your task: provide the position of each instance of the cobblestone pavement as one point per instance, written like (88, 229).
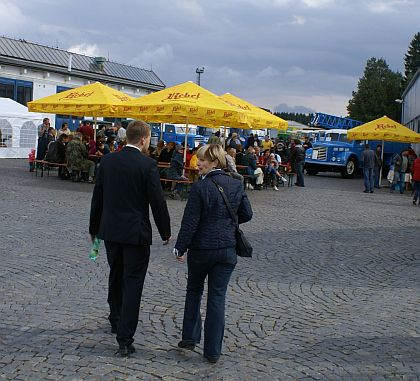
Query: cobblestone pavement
(331, 294)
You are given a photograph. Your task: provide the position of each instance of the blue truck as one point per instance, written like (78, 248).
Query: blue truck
(175, 133)
(332, 152)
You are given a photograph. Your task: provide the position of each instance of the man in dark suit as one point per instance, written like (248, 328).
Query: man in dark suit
(127, 183)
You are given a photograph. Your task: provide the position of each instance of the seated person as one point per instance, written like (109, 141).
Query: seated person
(174, 172)
(239, 154)
(193, 172)
(256, 174)
(100, 148)
(167, 152)
(111, 143)
(272, 170)
(262, 160)
(77, 157)
(231, 165)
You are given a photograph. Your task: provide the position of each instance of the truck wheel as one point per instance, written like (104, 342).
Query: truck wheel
(312, 172)
(350, 169)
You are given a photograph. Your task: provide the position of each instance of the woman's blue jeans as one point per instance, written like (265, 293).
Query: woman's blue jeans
(218, 266)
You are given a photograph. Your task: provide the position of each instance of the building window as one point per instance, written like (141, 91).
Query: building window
(19, 91)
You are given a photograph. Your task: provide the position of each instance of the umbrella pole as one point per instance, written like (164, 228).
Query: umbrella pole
(224, 137)
(185, 147)
(382, 160)
(161, 131)
(94, 128)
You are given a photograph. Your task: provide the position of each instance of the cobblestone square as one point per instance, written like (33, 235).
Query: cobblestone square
(332, 293)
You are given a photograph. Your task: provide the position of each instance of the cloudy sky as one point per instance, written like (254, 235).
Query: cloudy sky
(279, 54)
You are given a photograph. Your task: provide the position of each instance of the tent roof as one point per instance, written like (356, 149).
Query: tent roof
(10, 106)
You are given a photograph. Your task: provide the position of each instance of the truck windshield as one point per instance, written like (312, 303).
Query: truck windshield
(335, 137)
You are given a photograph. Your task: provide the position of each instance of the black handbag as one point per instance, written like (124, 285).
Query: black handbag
(243, 247)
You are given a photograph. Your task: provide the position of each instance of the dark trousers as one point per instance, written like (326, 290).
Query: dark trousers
(416, 190)
(217, 265)
(128, 266)
(376, 173)
(299, 173)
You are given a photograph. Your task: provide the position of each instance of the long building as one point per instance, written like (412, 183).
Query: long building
(31, 71)
(411, 107)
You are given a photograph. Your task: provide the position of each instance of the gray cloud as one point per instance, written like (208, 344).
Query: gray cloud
(302, 53)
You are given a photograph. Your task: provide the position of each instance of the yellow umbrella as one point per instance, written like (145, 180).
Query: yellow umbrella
(257, 118)
(94, 99)
(384, 129)
(184, 103)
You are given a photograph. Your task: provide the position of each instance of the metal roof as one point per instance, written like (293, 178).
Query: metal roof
(411, 83)
(43, 55)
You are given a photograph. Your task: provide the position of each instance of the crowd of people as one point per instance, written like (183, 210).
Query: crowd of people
(260, 161)
(403, 175)
(78, 149)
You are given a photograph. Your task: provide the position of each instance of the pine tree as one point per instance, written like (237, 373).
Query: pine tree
(376, 93)
(412, 60)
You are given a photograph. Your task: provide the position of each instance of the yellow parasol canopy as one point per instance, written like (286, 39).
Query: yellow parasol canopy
(384, 129)
(257, 117)
(185, 103)
(94, 99)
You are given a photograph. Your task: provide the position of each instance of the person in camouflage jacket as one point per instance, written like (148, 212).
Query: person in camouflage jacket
(77, 157)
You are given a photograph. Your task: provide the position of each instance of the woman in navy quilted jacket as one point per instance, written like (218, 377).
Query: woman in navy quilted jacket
(208, 235)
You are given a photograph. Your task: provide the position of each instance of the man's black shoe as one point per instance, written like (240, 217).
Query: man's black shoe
(212, 360)
(365, 191)
(186, 345)
(125, 350)
(415, 203)
(371, 191)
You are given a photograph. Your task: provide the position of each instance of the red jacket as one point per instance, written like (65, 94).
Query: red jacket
(416, 169)
(86, 130)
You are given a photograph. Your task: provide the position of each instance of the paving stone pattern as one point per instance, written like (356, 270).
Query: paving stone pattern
(331, 294)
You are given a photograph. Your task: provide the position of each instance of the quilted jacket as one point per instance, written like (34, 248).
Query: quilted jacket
(206, 224)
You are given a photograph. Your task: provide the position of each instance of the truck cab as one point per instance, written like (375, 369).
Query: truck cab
(334, 153)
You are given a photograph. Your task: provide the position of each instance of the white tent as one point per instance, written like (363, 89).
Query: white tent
(18, 129)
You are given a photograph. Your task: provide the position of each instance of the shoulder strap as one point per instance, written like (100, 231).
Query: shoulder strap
(229, 207)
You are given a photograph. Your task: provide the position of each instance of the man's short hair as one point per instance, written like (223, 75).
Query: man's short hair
(136, 130)
(213, 152)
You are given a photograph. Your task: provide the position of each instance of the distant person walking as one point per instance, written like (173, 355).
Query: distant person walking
(378, 166)
(127, 184)
(368, 162)
(297, 160)
(415, 169)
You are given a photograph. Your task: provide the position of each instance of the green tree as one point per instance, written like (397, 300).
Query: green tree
(412, 60)
(376, 93)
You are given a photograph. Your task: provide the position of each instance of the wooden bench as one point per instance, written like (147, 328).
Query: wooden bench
(43, 164)
(185, 183)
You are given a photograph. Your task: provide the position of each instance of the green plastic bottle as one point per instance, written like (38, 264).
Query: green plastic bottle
(94, 251)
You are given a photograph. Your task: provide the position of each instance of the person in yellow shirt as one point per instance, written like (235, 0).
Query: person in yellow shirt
(267, 143)
(193, 173)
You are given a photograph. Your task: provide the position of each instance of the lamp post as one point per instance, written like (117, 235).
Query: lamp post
(199, 71)
(401, 102)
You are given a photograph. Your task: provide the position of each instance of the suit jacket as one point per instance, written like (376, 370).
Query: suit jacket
(127, 183)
